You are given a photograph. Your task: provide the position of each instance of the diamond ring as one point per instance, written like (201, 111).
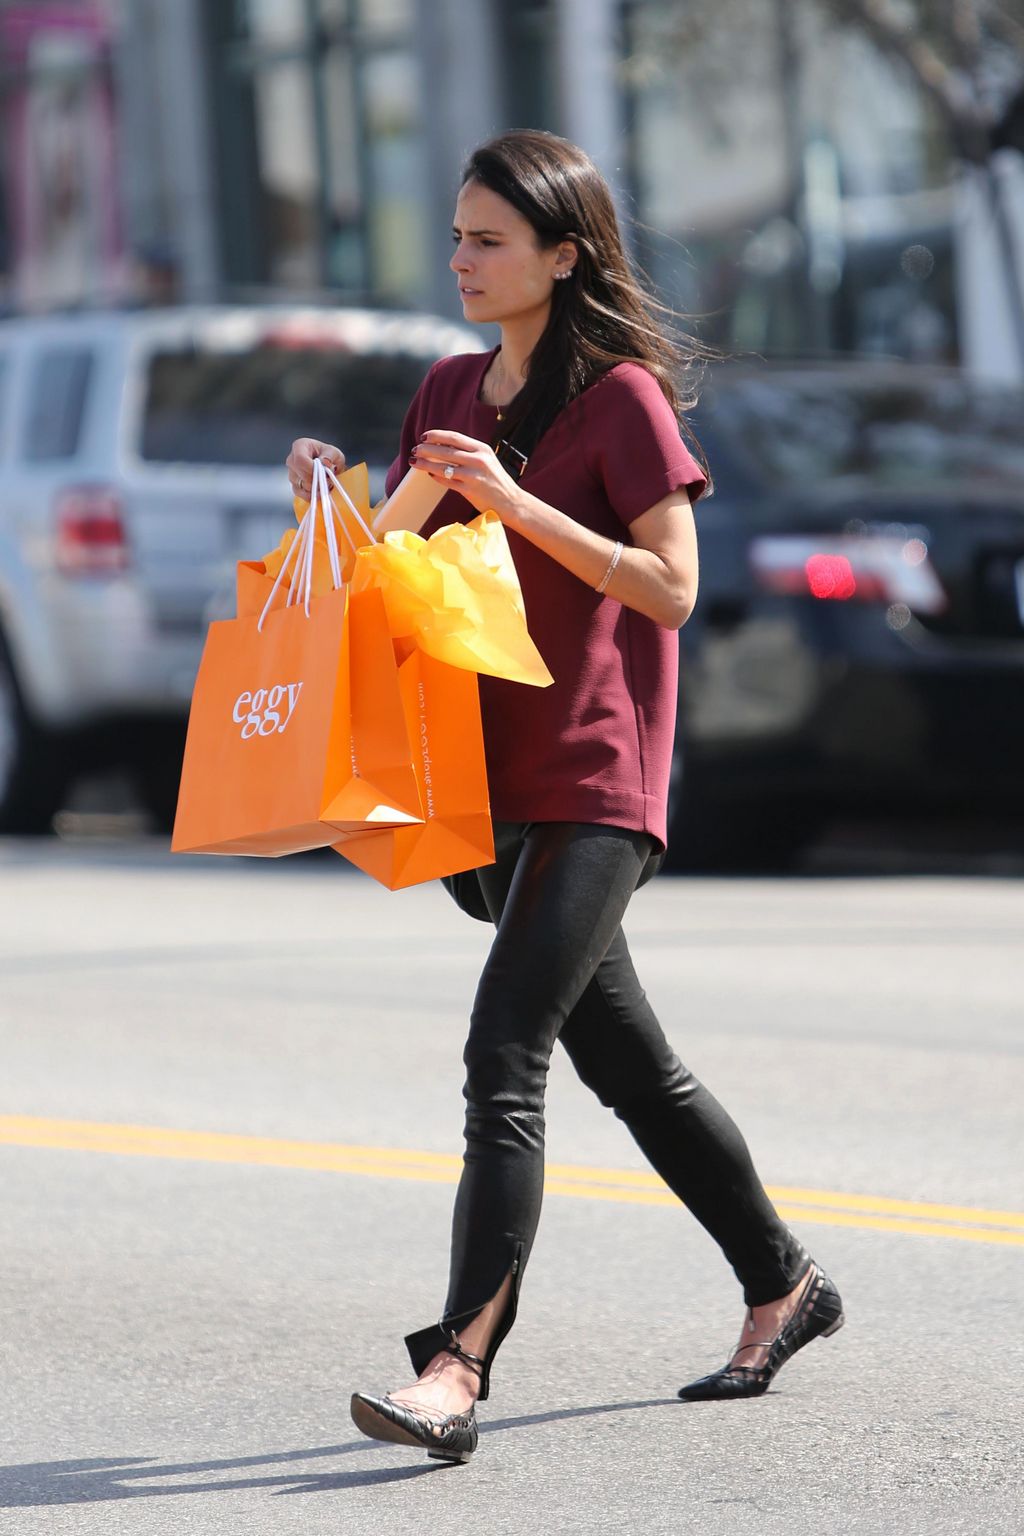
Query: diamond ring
(449, 471)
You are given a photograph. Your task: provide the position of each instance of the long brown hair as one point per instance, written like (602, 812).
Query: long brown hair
(602, 315)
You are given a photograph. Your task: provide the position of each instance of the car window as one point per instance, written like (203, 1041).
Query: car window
(207, 406)
(58, 381)
(793, 430)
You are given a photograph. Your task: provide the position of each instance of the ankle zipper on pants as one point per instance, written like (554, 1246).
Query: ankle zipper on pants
(428, 1342)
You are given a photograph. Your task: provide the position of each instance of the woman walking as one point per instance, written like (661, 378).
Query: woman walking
(569, 431)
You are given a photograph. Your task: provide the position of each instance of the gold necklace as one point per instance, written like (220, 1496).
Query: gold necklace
(498, 386)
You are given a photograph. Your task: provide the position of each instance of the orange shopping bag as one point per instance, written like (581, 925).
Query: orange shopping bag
(298, 728)
(442, 710)
(384, 788)
(267, 746)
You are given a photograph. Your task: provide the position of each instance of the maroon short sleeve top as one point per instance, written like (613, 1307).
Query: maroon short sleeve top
(597, 745)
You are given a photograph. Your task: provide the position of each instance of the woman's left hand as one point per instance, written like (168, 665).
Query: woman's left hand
(475, 470)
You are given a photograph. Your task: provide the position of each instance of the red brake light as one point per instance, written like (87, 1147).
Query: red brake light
(830, 576)
(866, 570)
(299, 336)
(91, 538)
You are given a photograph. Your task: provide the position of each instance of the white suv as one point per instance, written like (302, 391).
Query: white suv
(141, 455)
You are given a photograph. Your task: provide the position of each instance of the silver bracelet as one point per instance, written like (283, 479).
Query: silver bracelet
(610, 572)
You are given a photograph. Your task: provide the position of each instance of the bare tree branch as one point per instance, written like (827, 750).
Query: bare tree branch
(946, 87)
(1008, 27)
(965, 30)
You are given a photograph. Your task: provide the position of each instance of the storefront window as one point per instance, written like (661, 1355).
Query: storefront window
(527, 33)
(288, 173)
(393, 165)
(346, 256)
(321, 145)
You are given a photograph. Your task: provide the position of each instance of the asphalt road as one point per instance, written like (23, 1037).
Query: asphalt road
(230, 1120)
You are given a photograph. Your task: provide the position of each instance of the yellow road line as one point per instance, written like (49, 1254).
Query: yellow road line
(824, 1207)
(628, 1178)
(903, 1207)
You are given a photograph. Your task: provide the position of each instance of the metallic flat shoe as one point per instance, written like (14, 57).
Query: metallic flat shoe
(445, 1439)
(819, 1313)
(451, 1438)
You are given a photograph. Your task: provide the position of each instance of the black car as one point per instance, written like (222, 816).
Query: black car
(858, 641)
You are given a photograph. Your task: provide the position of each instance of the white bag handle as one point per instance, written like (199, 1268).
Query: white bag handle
(352, 508)
(320, 472)
(302, 547)
(307, 553)
(297, 546)
(301, 539)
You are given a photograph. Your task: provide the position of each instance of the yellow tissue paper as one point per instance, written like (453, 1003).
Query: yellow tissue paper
(457, 597)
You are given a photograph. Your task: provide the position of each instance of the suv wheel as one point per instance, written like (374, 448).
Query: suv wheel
(32, 782)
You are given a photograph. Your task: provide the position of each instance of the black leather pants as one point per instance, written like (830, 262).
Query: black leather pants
(559, 969)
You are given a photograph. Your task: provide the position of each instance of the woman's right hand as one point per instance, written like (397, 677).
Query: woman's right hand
(299, 463)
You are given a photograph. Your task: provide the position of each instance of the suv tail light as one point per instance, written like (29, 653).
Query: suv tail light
(867, 570)
(91, 538)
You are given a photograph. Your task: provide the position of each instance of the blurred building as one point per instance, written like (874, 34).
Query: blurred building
(789, 186)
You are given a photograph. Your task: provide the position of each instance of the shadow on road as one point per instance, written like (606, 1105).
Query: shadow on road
(95, 1479)
(98, 1479)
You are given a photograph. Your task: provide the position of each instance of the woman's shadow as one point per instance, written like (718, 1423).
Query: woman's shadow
(94, 1479)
